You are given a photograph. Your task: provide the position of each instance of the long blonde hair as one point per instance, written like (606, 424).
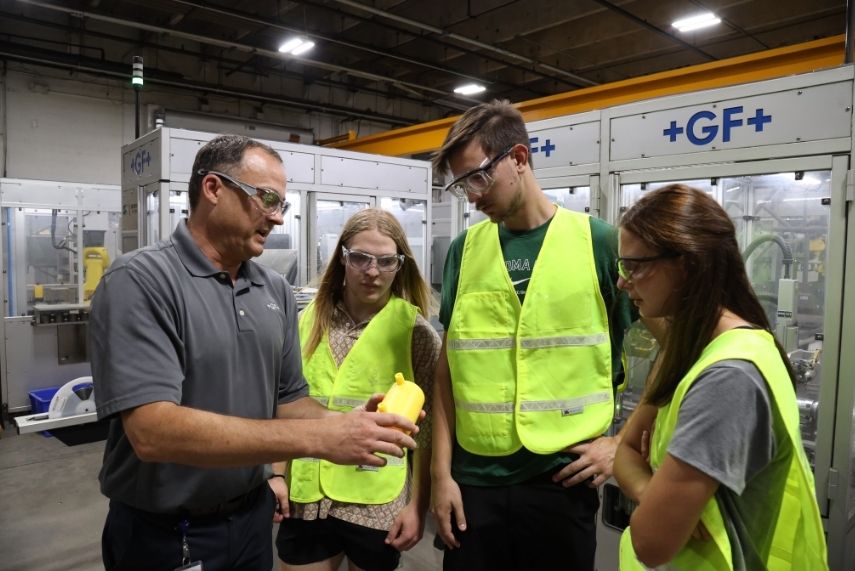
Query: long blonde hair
(408, 283)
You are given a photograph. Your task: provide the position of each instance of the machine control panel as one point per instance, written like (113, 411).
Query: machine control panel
(60, 314)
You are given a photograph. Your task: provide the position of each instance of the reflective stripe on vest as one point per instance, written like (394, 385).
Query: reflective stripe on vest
(536, 375)
(574, 406)
(798, 516)
(383, 349)
(536, 343)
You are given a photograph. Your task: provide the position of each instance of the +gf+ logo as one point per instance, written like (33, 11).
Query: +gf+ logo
(546, 149)
(708, 131)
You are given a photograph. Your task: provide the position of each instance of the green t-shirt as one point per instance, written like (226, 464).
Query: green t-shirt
(520, 250)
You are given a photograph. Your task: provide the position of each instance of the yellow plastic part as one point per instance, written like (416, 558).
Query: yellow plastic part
(38, 292)
(95, 263)
(404, 398)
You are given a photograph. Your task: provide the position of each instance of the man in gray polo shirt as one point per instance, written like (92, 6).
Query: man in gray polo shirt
(196, 360)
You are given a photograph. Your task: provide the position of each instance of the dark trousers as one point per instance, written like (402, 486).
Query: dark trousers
(537, 525)
(135, 540)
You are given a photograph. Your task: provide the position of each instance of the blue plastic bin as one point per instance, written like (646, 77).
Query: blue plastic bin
(40, 402)
(40, 399)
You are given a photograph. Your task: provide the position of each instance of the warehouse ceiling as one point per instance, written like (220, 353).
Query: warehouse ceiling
(397, 62)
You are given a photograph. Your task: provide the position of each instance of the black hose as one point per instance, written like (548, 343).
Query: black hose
(785, 248)
(61, 245)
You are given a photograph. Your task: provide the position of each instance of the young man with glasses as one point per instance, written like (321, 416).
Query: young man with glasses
(531, 355)
(196, 361)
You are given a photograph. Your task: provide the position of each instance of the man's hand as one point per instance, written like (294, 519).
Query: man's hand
(447, 509)
(357, 437)
(407, 529)
(595, 461)
(371, 404)
(280, 490)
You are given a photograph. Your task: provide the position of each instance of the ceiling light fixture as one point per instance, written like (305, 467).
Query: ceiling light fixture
(303, 48)
(469, 89)
(697, 22)
(296, 46)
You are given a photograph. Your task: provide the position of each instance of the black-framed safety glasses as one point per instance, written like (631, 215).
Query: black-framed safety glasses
(362, 261)
(628, 265)
(267, 200)
(477, 181)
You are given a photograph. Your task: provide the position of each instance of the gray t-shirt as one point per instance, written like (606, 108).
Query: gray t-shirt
(166, 325)
(726, 429)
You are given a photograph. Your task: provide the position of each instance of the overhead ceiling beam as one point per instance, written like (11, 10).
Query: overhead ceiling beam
(488, 56)
(404, 85)
(801, 58)
(446, 35)
(329, 39)
(223, 62)
(117, 70)
(655, 29)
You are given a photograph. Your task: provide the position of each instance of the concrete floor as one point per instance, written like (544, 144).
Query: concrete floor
(52, 512)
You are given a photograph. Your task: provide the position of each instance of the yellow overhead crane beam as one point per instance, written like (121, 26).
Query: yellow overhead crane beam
(779, 62)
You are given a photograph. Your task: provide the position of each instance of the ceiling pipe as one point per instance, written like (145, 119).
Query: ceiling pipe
(404, 85)
(222, 61)
(207, 88)
(328, 39)
(387, 54)
(645, 24)
(578, 79)
(523, 83)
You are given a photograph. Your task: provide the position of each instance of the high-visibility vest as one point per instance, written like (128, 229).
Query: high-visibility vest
(538, 374)
(798, 541)
(383, 349)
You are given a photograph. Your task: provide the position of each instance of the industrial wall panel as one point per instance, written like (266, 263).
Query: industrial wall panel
(60, 135)
(182, 153)
(53, 194)
(789, 116)
(567, 145)
(31, 361)
(142, 162)
(299, 167)
(375, 175)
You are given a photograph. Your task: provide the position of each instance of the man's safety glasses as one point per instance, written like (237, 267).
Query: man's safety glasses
(268, 200)
(477, 181)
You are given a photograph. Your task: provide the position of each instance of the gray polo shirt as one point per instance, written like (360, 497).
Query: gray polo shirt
(166, 325)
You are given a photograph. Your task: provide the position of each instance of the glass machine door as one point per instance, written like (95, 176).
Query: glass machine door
(327, 214)
(50, 255)
(783, 226)
(282, 248)
(412, 214)
(160, 219)
(572, 193)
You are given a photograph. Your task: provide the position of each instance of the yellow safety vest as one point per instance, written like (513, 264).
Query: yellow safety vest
(383, 349)
(538, 374)
(798, 541)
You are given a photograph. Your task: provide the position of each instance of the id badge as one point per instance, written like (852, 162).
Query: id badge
(186, 563)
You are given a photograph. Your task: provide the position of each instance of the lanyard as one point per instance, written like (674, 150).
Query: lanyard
(184, 525)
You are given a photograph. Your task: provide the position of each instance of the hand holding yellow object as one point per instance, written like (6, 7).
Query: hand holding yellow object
(405, 398)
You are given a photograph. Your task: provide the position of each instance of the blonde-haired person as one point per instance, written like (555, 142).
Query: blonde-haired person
(367, 322)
